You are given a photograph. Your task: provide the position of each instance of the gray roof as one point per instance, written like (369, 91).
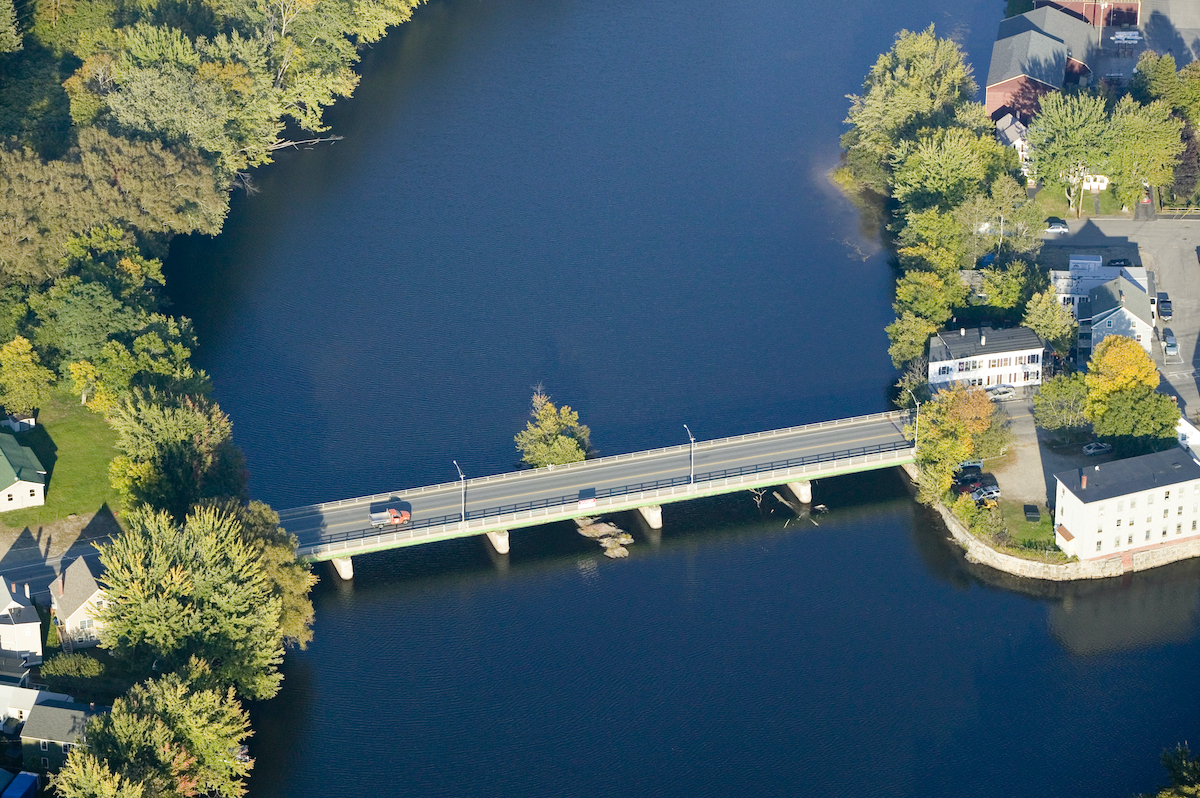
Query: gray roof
(1132, 475)
(1080, 37)
(1119, 293)
(57, 721)
(955, 344)
(1032, 54)
(18, 462)
(1010, 130)
(73, 589)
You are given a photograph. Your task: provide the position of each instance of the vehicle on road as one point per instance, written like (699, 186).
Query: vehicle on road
(986, 492)
(1170, 346)
(999, 392)
(1164, 306)
(1096, 447)
(390, 516)
(1057, 226)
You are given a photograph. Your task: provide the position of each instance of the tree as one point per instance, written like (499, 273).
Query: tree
(195, 590)
(1061, 403)
(922, 82)
(1117, 364)
(1004, 287)
(925, 294)
(174, 455)
(1122, 402)
(943, 167)
(85, 776)
(934, 241)
(10, 32)
(1068, 139)
(554, 437)
(168, 738)
(24, 381)
(1144, 149)
(76, 318)
(1051, 319)
(909, 334)
(950, 425)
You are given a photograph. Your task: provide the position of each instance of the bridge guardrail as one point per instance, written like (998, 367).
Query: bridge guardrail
(894, 415)
(605, 496)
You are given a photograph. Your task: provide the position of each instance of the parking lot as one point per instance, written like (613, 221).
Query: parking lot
(1170, 249)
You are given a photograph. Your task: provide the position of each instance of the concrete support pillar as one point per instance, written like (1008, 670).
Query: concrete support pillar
(802, 491)
(344, 567)
(653, 516)
(499, 540)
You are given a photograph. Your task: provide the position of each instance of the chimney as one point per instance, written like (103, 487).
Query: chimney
(1083, 482)
(982, 339)
(62, 584)
(26, 590)
(962, 331)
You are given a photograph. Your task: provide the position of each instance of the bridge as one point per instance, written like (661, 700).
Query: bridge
(644, 481)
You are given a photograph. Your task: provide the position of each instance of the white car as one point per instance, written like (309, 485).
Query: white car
(1001, 392)
(1096, 447)
(1057, 227)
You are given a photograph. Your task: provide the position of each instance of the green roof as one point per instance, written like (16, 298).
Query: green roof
(18, 463)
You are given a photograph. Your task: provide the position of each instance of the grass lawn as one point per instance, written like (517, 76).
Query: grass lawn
(1053, 202)
(75, 446)
(1027, 534)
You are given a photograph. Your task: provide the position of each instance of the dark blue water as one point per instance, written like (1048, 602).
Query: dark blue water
(626, 202)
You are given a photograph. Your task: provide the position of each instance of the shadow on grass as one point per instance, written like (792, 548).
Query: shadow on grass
(43, 446)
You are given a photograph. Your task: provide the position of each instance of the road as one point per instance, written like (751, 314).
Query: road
(609, 476)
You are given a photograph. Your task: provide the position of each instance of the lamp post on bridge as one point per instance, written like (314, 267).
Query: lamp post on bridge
(691, 457)
(917, 423)
(463, 481)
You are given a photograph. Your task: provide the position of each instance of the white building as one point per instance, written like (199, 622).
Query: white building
(1085, 272)
(22, 477)
(1116, 308)
(1011, 133)
(16, 702)
(986, 357)
(20, 626)
(1128, 505)
(75, 600)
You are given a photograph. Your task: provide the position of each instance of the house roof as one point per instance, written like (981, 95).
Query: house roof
(18, 463)
(1119, 293)
(1131, 475)
(1010, 131)
(74, 588)
(956, 344)
(1080, 37)
(1032, 54)
(1062, 530)
(57, 721)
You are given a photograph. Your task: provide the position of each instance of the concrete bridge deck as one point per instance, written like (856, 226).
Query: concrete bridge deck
(337, 530)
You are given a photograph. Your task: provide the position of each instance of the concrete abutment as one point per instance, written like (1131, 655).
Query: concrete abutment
(499, 540)
(344, 567)
(802, 491)
(652, 515)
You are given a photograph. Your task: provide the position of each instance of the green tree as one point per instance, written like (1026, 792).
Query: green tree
(85, 776)
(921, 82)
(1051, 319)
(169, 738)
(1061, 403)
(196, 590)
(554, 437)
(934, 241)
(10, 32)
(1117, 364)
(943, 167)
(1122, 402)
(174, 455)
(1144, 149)
(925, 294)
(908, 335)
(24, 382)
(946, 434)
(1005, 287)
(1068, 140)
(76, 318)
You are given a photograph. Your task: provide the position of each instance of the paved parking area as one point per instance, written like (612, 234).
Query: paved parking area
(1172, 26)
(1171, 249)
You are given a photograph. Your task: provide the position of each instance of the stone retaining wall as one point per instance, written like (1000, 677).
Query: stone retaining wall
(979, 552)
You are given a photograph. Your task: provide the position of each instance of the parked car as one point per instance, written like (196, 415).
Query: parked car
(1056, 226)
(968, 474)
(999, 392)
(1096, 447)
(1164, 306)
(1120, 263)
(1170, 347)
(986, 492)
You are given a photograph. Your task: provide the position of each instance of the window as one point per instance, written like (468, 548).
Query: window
(1108, 323)
(1132, 503)
(1131, 540)
(944, 370)
(1180, 510)
(1118, 522)
(1196, 488)
(1033, 359)
(1098, 544)
(1150, 499)
(1101, 509)
(1166, 495)
(1147, 534)
(45, 746)
(1138, 338)
(1166, 512)
(1120, 506)
(1164, 532)
(10, 497)
(1193, 524)
(45, 763)
(1178, 528)
(66, 748)
(32, 493)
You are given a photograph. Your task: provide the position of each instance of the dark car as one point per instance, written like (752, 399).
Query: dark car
(1164, 306)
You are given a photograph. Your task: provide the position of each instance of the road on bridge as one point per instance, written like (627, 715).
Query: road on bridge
(616, 475)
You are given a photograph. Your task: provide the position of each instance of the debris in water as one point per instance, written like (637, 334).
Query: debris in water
(616, 552)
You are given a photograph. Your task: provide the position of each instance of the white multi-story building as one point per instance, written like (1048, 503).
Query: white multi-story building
(986, 357)
(1116, 308)
(20, 626)
(1128, 505)
(1085, 272)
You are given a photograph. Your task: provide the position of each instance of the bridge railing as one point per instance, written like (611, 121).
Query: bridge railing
(546, 506)
(599, 462)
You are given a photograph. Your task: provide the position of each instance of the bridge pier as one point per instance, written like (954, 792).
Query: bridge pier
(802, 491)
(653, 515)
(344, 567)
(499, 540)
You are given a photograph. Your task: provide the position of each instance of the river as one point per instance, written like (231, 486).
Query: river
(626, 202)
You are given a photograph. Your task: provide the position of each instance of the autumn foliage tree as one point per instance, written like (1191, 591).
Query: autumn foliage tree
(948, 432)
(554, 437)
(1122, 401)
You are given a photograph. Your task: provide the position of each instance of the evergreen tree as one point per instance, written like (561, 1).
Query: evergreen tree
(1051, 319)
(10, 31)
(554, 437)
(24, 382)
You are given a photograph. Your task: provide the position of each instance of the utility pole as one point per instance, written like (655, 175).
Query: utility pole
(917, 423)
(463, 481)
(691, 457)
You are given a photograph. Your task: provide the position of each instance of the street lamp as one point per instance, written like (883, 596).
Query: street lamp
(691, 457)
(917, 423)
(463, 481)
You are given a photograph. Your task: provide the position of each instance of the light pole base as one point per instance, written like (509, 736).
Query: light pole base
(653, 515)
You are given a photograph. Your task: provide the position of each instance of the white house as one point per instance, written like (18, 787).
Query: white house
(1085, 272)
(1011, 133)
(16, 703)
(20, 626)
(986, 357)
(1116, 308)
(1128, 505)
(75, 599)
(22, 477)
